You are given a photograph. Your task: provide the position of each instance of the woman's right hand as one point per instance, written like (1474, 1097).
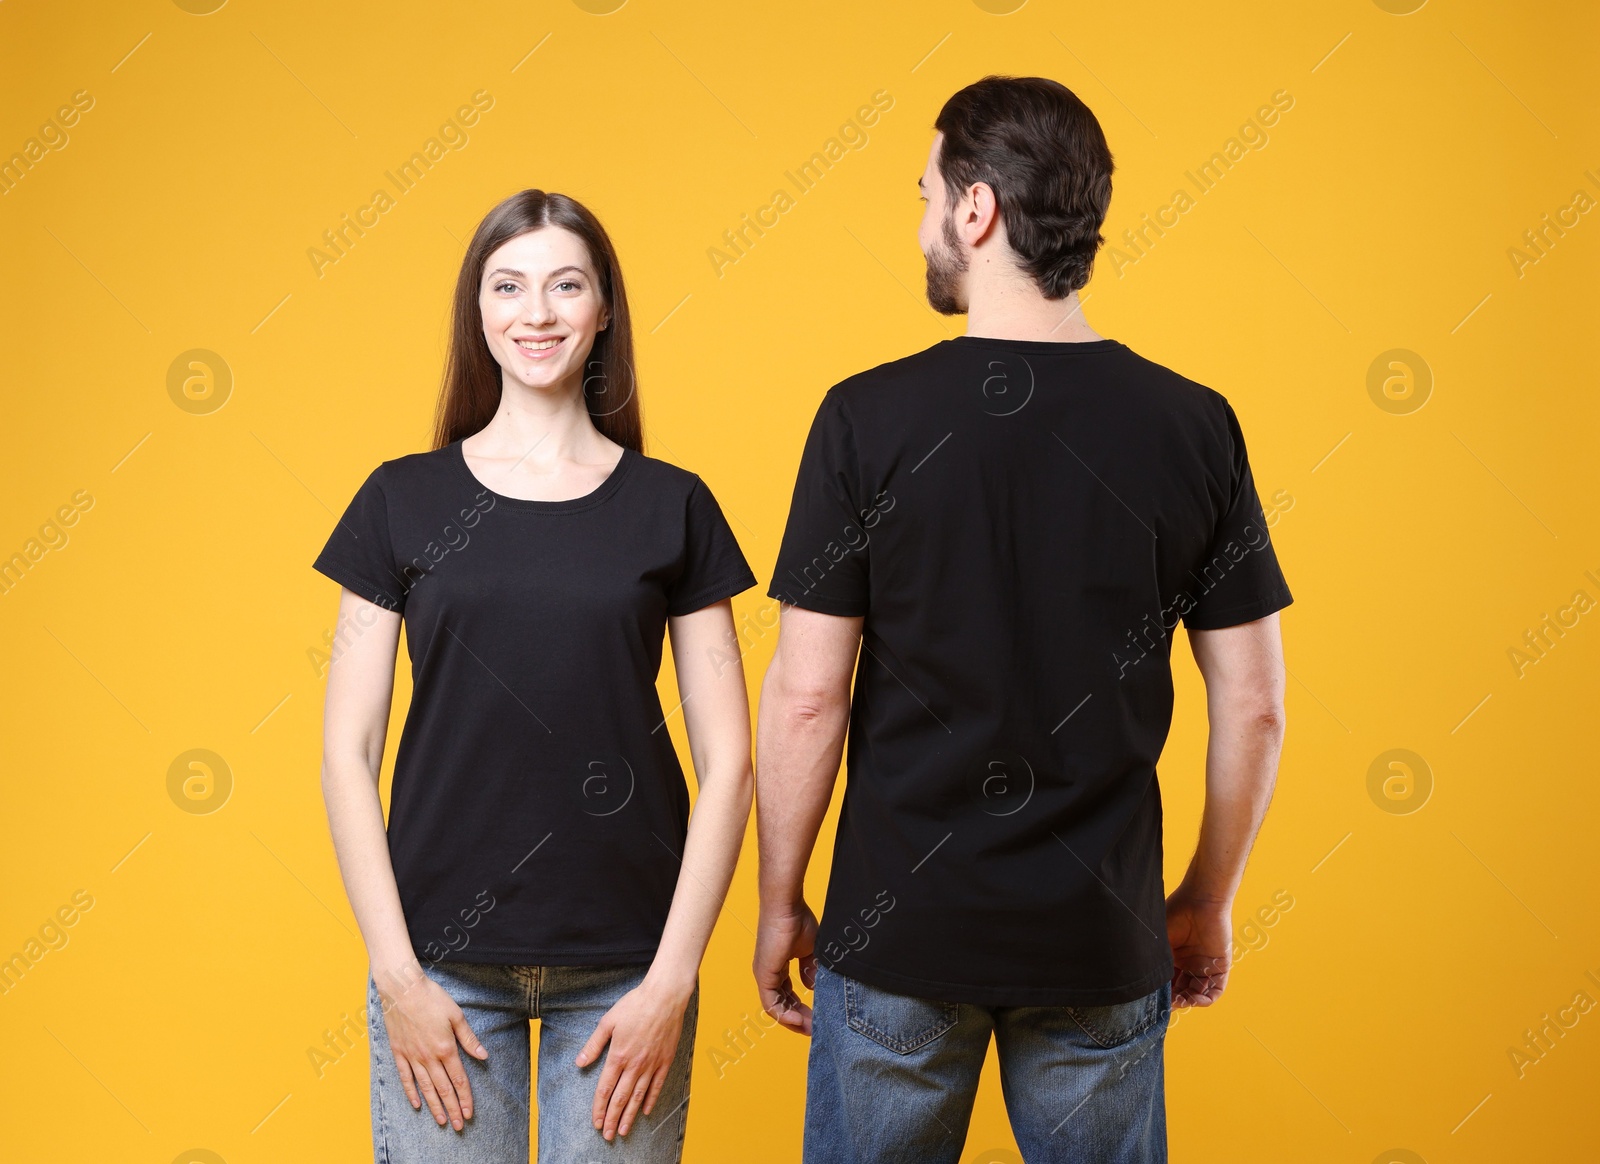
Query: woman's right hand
(424, 1024)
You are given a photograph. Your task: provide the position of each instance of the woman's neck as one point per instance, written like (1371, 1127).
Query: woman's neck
(542, 428)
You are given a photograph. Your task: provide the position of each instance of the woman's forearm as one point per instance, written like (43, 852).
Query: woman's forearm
(355, 819)
(716, 833)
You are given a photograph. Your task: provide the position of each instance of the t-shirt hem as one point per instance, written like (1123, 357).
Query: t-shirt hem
(716, 593)
(819, 603)
(351, 580)
(531, 957)
(1234, 615)
(1004, 995)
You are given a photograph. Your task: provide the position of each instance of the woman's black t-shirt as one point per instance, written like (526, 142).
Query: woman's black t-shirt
(538, 811)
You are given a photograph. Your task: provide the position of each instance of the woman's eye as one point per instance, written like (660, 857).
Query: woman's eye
(503, 286)
(570, 283)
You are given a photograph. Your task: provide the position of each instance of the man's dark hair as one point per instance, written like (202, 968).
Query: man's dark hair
(1042, 152)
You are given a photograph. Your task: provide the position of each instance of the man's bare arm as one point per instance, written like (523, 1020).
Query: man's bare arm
(1244, 675)
(800, 731)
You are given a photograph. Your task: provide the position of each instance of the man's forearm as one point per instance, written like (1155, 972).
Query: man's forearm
(1241, 769)
(799, 743)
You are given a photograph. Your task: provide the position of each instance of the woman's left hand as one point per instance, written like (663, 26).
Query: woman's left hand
(643, 1029)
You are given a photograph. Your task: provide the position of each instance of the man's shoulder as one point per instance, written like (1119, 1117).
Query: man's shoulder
(900, 374)
(1146, 381)
(1163, 381)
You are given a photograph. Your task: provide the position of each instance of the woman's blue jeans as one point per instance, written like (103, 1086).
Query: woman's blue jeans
(892, 1078)
(499, 1001)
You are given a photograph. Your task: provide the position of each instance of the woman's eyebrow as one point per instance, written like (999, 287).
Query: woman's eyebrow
(520, 275)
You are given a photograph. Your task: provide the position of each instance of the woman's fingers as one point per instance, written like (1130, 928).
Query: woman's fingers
(603, 1090)
(636, 1094)
(656, 1085)
(403, 1069)
(596, 1043)
(468, 1038)
(457, 1074)
(429, 1090)
(621, 1099)
(447, 1092)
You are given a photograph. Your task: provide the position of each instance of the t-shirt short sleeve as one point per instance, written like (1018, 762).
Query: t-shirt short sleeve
(1238, 579)
(358, 554)
(714, 567)
(822, 562)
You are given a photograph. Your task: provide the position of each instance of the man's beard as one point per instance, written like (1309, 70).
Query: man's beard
(945, 268)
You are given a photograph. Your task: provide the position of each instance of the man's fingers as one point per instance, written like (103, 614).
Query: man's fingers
(774, 1001)
(1191, 989)
(783, 1004)
(808, 972)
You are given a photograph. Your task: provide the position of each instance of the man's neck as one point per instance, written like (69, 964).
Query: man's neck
(1005, 309)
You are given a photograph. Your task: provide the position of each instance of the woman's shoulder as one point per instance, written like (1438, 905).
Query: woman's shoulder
(427, 464)
(664, 475)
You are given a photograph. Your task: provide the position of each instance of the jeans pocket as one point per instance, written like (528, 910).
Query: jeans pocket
(897, 1022)
(1122, 1022)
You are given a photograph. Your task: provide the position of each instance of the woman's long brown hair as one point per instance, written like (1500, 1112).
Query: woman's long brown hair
(471, 389)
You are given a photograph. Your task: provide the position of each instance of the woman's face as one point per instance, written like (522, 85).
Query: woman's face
(542, 307)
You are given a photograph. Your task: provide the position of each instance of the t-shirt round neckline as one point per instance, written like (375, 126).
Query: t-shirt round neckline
(1044, 347)
(571, 505)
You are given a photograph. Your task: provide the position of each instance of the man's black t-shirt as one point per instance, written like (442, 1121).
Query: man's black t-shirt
(1021, 524)
(539, 810)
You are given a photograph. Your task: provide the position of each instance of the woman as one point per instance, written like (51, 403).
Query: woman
(540, 861)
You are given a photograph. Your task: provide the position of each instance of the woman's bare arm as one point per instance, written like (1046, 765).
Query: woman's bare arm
(423, 1022)
(644, 1026)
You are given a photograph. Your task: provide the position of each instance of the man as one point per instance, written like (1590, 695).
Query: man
(1008, 526)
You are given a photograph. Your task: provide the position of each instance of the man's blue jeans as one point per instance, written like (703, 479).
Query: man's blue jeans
(892, 1078)
(499, 1001)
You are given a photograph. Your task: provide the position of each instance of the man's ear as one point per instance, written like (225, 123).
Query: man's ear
(986, 210)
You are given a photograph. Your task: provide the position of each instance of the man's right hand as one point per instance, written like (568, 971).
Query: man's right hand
(784, 936)
(1200, 931)
(424, 1024)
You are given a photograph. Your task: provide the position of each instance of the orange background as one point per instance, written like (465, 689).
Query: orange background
(1419, 402)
